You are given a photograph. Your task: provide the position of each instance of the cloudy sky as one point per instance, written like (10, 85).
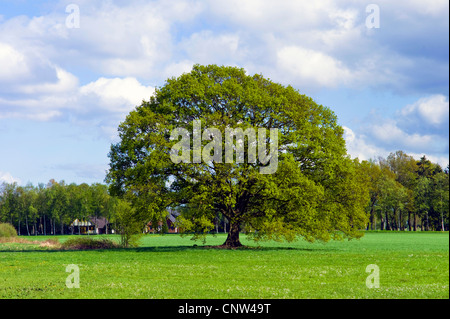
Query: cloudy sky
(70, 71)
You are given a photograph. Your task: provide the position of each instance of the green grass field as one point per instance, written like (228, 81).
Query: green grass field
(411, 265)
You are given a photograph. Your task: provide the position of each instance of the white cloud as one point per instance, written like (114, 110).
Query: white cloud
(143, 40)
(357, 146)
(116, 94)
(64, 98)
(66, 82)
(433, 109)
(410, 129)
(205, 47)
(313, 67)
(389, 132)
(430, 7)
(8, 178)
(178, 68)
(309, 44)
(267, 15)
(365, 148)
(13, 63)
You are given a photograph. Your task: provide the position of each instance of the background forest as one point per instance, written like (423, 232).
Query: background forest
(405, 194)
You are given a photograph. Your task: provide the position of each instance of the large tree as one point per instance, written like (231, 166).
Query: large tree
(301, 183)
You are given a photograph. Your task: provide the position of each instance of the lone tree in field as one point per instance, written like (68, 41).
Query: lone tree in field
(174, 152)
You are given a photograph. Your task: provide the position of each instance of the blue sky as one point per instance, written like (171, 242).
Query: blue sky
(64, 88)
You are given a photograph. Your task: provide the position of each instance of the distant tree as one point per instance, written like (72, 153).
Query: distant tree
(129, 226)
(422, 200)
(424, 167)
(8, 203)
(373, 172)
(58, 203)
(405, 169)
(439, 200)
(29, 199)
(99, 201)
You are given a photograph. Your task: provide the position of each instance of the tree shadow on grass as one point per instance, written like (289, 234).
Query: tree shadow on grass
(218, 248)
(165, 249)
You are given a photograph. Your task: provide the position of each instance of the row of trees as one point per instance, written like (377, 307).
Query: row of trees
(406, 194)
(51, 208)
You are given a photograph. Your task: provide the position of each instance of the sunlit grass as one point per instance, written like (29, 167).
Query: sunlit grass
(412, 265)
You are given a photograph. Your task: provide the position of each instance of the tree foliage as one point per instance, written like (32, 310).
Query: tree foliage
(316, 192)
(407, 193)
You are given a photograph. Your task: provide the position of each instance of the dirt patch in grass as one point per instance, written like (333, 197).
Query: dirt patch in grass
(50, 243)
(81, 243)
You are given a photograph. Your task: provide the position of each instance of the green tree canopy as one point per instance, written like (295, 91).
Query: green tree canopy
(316, 190)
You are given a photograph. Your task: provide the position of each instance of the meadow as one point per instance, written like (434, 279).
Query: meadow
(411, 265)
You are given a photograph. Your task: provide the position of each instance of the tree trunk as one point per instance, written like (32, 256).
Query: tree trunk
(394, 223)
(233, 236)
(224, 224)
(387, 221)
(415, 222)
(371, 218)
(26, 222)
(394, 220)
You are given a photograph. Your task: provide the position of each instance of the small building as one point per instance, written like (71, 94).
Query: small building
(171, 225)
(91, 225)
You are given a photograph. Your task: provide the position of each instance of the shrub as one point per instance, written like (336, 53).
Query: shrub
(88, 243)
(7, 230)
(129, 224)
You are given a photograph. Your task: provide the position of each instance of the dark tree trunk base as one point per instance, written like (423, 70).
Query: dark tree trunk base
(232, 243)
(233, 237)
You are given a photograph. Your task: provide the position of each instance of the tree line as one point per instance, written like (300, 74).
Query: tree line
(50, 209)
(405, 194)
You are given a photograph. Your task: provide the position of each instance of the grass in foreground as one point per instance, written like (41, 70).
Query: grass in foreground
(412, 265)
